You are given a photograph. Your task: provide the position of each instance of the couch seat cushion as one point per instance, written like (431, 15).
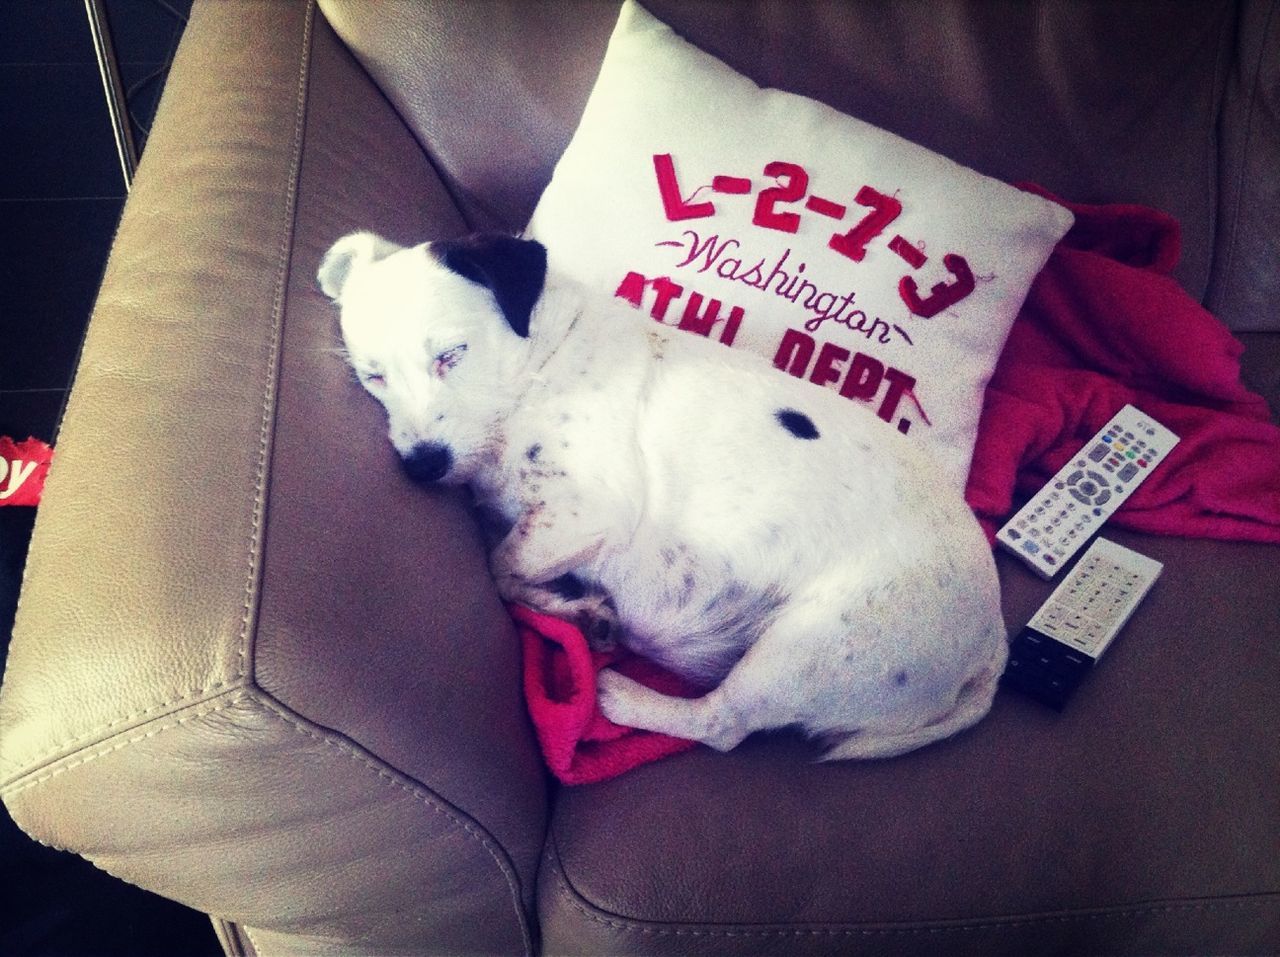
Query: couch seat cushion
(1143, 819)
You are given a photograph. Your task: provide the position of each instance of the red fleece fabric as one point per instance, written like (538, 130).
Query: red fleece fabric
(579, 744)
(1103, 325)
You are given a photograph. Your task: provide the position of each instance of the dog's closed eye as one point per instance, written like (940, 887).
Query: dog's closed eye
(372, 376)
(448, 359)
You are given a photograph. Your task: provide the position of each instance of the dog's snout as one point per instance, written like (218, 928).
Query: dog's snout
(428, 462)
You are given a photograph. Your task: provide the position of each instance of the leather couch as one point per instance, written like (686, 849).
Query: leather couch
(256, 670)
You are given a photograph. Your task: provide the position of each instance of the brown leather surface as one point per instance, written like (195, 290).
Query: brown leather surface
(1100, 101)
(144, 563)
(492, 88)
(1142, 820)
(1260, 366)
(223, 685)
(1245, 287)
(378, 617)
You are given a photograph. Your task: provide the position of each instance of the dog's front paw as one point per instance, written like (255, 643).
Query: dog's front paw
(619, 697)
(598, 622)
(511, 589)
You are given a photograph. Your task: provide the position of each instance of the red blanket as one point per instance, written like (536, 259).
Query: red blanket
(1103, 325)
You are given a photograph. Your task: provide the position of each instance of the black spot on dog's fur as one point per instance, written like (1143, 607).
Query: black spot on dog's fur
(532, 452)
(568, 586)
(797, 423)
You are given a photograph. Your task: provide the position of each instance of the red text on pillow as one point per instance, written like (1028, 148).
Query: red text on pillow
(884, 210)
(791, 184)
(944, 295)
(796, 185)
(694, 318)
(673, 203)
(862, 381)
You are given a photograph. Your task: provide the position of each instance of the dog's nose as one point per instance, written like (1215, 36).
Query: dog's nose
(427, 462)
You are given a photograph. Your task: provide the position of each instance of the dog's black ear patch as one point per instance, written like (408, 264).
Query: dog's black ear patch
(514, 270)
(797, 423)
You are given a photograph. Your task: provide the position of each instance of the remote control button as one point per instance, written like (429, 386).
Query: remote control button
(1128, 472)
(1098, 453)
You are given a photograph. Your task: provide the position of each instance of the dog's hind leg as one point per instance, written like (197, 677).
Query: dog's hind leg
(711, 719)
(542, 546)
(744, 702)
(533, 566)
(971, 705)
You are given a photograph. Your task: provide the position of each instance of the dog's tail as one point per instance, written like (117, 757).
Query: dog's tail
(972, 704)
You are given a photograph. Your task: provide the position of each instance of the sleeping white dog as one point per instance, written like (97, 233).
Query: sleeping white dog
(747, 531)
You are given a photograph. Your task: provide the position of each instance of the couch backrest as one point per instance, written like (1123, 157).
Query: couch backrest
(1167, 103)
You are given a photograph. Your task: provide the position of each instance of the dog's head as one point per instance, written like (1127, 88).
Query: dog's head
(438, 333)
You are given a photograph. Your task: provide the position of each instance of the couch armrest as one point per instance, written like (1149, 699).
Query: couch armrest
(254, 669)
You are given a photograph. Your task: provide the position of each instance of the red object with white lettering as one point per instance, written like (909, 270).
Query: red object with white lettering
(23, 466)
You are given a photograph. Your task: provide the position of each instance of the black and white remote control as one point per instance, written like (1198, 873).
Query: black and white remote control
(1067, 636)
(1063, 515)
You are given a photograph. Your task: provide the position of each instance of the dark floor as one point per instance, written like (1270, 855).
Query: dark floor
(61, 193)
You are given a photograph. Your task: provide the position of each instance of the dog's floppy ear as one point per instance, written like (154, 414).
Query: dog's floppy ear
(353, 250)
(514, 270)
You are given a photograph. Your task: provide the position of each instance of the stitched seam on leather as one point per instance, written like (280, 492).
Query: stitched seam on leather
(252, 589)
(383, 772)
(66, 748)
(421, 792)
(631, 925)
(228, 936)
(264, 447)
(220, 703)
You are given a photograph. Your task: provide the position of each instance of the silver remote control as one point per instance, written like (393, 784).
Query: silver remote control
(1063, 515)
(1067, 636)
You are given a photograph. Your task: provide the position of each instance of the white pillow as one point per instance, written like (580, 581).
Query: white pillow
(842, 253)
